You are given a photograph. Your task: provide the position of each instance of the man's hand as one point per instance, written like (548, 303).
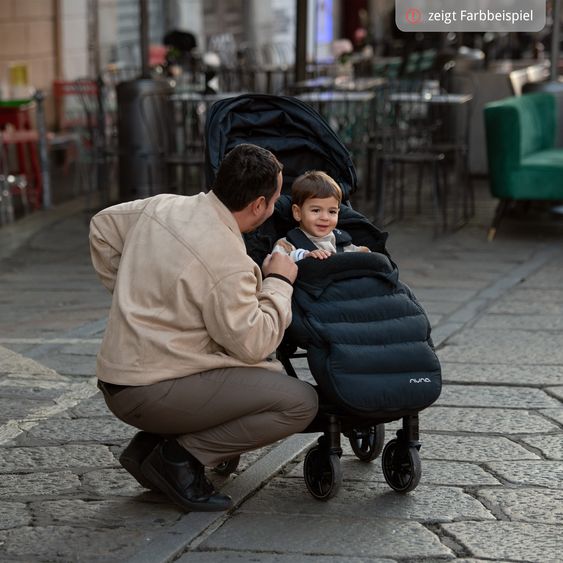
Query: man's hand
(319, 254)
(281, 264)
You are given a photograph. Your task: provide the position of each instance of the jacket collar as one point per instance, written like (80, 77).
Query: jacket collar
(224, 214)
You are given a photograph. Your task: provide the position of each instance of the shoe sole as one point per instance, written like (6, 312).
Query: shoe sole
(150, 473)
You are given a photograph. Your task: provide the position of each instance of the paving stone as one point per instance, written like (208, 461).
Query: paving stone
(107, 430)
(471, 560)
(548, 277)
(62, 544)
(94, 406)
(16, 460)
(554, 414)
(69, 364)
(493, 396)
(535, 295)
(507, 306)
(14, 515)
(255, 557)
(371, 500)
(476, 449)
(551, 446)
(11, 409)
(498, 373)
(444, 293)
(26, 388)
(36, 485)
(516, 541)
(127, 513)
(484, 420)
(12, 362)
(539, 473)
(531, 322)
(82, 349)
(514, 347)
(110, 483)
(297, 533)
(556, 392)
(528, 505)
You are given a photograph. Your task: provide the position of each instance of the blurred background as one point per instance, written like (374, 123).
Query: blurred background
(108, 98)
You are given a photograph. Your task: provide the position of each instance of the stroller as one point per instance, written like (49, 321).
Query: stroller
(365, 336)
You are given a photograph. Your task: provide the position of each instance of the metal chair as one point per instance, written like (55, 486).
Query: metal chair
(400, 139)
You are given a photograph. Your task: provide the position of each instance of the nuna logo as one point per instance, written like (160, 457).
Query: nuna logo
(420, 380)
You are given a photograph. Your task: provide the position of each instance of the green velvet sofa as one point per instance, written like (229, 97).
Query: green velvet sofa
(524, 164)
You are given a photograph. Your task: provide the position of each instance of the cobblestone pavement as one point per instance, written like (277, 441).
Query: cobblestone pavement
(492, 452)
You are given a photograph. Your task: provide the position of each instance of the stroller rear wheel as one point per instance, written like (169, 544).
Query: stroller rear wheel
(367, 443)
(322, 472)
(401, 466)
(227, 467)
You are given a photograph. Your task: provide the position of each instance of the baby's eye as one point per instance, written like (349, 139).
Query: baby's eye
(333, 212)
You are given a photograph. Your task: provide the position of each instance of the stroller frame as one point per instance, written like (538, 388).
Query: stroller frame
(321, 468)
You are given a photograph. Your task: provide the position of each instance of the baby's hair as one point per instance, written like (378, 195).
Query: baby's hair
(314, 184)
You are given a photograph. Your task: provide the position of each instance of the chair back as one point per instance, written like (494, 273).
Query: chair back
(516, 127)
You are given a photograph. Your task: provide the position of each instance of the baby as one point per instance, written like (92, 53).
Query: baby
(316, 199)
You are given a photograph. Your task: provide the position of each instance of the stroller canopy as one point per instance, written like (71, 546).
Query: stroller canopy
(299, 137)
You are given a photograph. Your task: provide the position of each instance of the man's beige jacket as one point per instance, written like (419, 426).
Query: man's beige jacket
(186, 296)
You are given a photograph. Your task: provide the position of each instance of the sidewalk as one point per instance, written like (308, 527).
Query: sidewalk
(492, 446)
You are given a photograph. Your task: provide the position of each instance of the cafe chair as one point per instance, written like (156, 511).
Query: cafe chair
(524, 164)
(400, 148)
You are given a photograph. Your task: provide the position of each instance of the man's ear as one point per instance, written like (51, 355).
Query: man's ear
(296, 211)
(258, 205)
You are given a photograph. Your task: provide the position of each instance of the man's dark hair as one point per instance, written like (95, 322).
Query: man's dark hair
(246, 173)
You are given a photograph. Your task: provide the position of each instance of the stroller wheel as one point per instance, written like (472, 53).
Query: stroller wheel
(227, 467)
(401, 466)
(323, 474)
(367, 443)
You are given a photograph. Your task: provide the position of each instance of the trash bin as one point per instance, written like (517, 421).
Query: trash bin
(144, 131)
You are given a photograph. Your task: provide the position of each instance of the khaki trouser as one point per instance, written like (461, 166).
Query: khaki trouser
(218, 414)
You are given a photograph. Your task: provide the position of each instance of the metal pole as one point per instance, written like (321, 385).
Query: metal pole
(301, 40)
(555, 32)
(39, 97)
(144, 36)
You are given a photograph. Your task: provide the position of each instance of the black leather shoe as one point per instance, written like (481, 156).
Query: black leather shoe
(135, 453)
(184, 483)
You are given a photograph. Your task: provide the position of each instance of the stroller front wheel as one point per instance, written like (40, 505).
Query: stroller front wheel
(322, 472)
(367, 443)
(401, 466)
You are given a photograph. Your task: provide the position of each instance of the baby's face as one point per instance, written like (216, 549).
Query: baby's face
(317, 216)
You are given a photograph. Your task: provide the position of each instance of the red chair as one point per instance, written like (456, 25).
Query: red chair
(17, 129)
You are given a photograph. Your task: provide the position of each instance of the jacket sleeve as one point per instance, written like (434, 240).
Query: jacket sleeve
(283, 246)
(246, 319)
(108, 231)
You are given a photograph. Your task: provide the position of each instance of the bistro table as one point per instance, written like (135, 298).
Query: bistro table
(430, 98)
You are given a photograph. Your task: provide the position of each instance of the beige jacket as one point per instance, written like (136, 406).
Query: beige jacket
(186, 297)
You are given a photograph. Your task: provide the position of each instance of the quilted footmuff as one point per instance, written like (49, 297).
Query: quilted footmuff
(367, 337)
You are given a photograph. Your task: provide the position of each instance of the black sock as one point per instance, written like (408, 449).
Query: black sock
(176, 453)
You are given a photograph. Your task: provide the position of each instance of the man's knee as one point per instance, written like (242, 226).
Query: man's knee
(305, 407)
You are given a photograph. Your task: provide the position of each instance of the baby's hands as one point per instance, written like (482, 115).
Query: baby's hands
(319, 254)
